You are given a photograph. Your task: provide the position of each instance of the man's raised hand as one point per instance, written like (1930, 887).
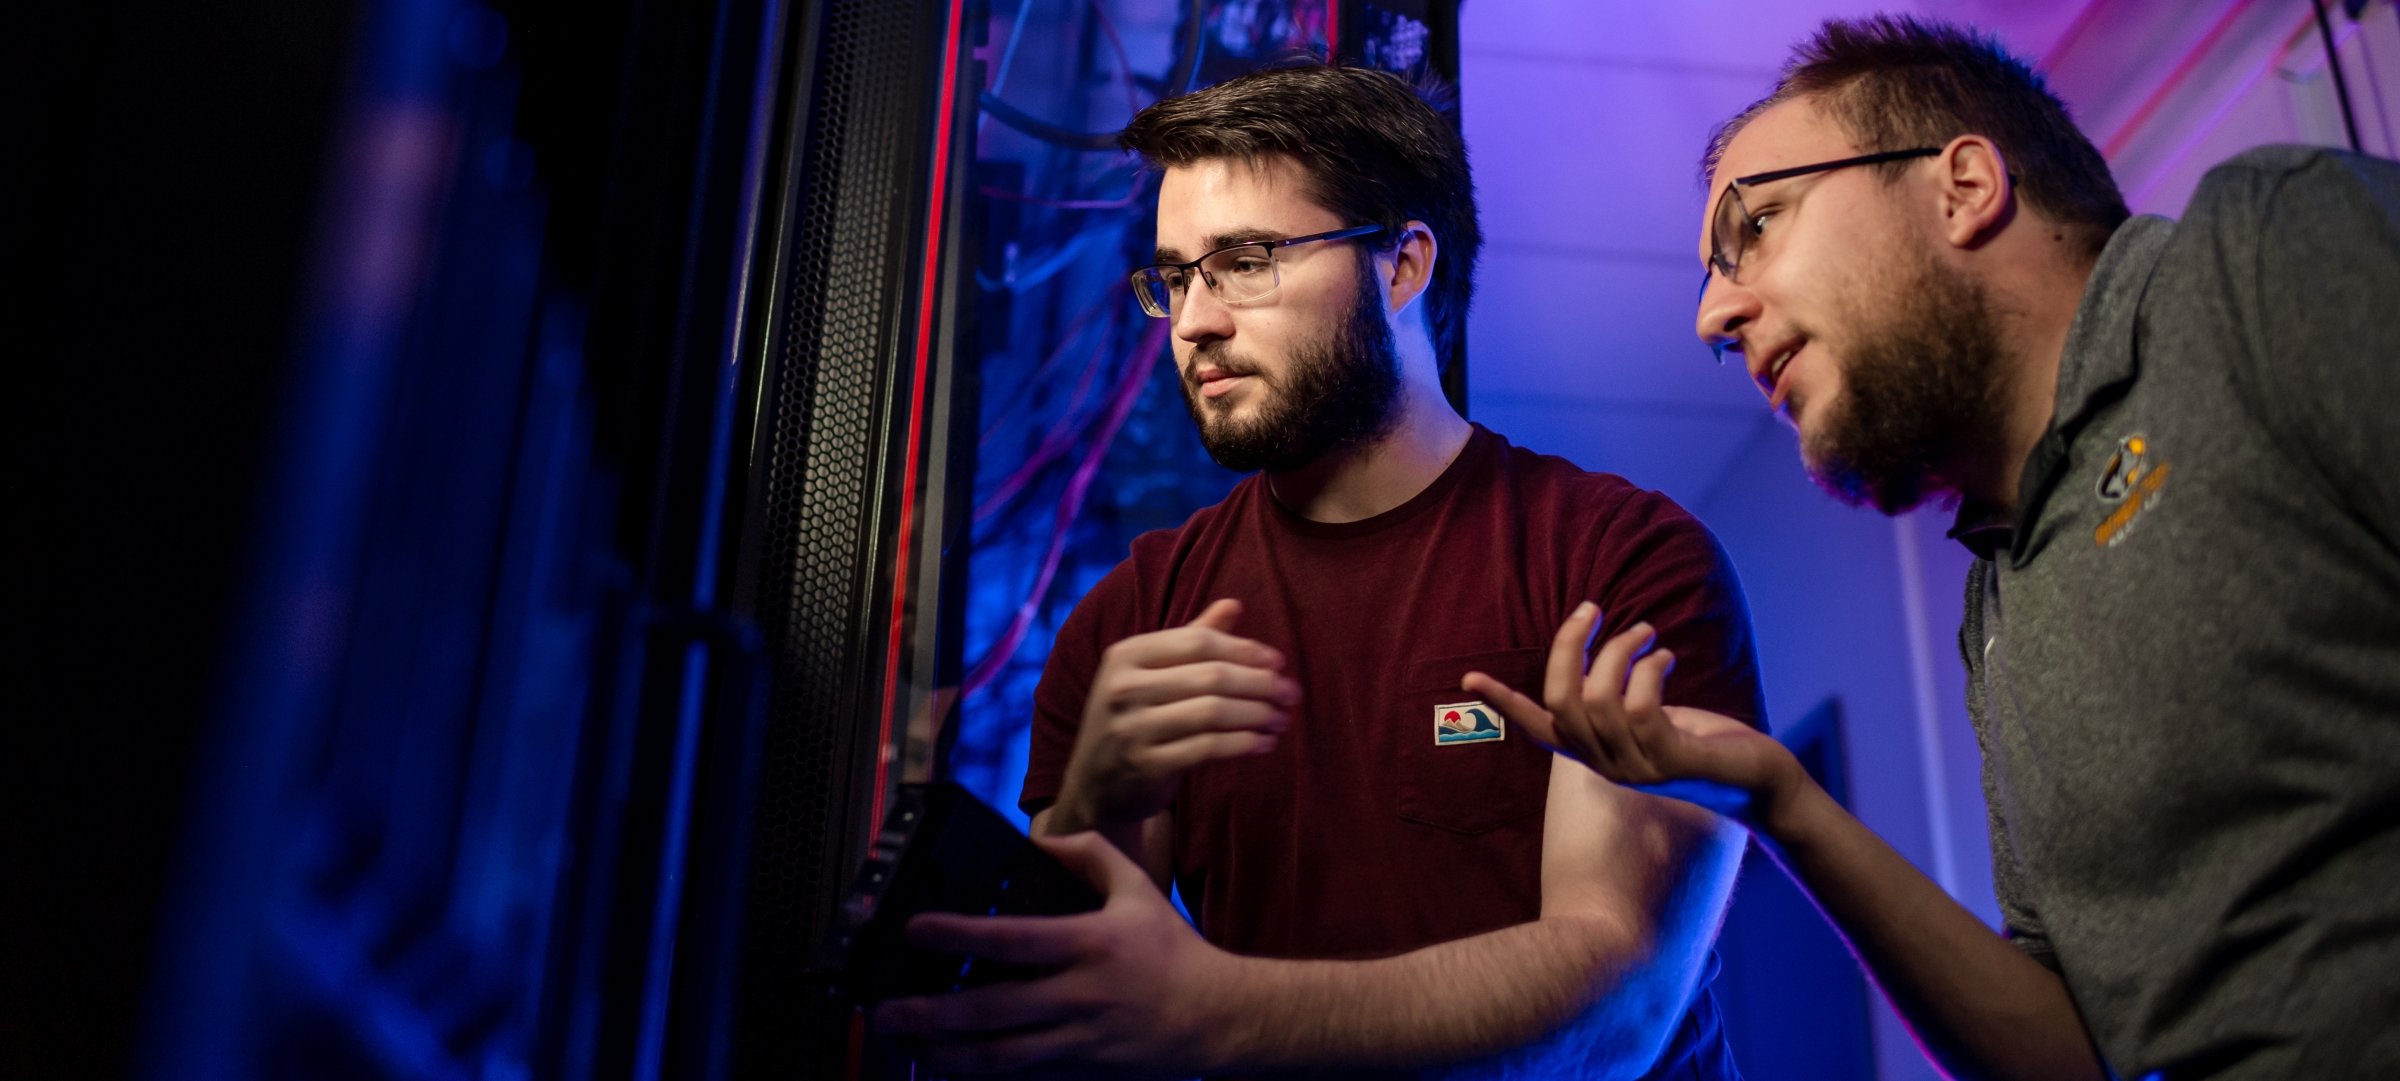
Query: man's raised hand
(1613, 719)
(1164, 702)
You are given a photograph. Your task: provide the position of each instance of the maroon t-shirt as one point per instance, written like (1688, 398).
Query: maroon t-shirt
(1364, 834)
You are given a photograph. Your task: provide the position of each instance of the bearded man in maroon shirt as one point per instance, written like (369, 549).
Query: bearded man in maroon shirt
(1257, 707)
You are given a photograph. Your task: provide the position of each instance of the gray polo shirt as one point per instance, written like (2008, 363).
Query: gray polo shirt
(2183, 653)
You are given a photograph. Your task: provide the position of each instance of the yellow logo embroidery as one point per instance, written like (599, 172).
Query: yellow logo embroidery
(2132, 480)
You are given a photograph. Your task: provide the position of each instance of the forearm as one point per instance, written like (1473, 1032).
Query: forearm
(1149, 843)
(1070, 815)
(1979, 1006)
(1586, 985)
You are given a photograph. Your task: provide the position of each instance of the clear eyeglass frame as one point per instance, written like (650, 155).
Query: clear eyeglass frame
(1236, 273)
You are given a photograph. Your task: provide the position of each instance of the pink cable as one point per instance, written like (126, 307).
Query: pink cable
(1070, 503)
(1108, 26)
(1074, 330)
(1052, 445)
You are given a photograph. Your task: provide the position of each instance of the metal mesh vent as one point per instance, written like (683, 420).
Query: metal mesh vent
(827, 430)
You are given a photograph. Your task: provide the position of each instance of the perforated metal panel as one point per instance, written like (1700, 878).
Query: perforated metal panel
(828, 446)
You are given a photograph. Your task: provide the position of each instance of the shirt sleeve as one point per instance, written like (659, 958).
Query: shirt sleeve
(2018, 920)
(1659, 565)
(1097, 621)
(2311, 239)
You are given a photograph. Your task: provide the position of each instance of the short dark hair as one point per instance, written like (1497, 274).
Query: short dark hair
(1374, 149)
(1896, 81)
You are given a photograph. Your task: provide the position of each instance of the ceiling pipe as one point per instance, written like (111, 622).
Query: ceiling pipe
(2184, 67)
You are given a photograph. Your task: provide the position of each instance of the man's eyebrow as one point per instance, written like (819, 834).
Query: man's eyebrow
(1221, 240)
(1244, 236)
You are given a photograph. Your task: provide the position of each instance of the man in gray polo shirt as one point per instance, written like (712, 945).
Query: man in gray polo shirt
(2179, 470)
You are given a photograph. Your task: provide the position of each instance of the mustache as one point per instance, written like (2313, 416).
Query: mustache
(1215, 355)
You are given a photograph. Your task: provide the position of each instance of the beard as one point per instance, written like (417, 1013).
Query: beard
(1920, 399)
(1341, 389)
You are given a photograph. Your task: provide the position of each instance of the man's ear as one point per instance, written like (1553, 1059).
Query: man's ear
(1410, 265)
(1978, 194)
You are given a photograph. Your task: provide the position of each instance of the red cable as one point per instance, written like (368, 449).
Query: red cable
(928, 299)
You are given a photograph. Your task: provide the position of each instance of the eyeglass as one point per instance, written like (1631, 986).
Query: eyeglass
(1235, 273)
(1732, 229)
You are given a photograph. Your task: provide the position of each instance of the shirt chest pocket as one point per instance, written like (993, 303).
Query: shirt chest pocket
(1461, 765)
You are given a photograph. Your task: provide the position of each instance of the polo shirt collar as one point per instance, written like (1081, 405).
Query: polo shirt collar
(2100, 357)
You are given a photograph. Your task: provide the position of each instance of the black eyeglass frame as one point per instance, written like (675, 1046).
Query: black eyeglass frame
(1718, 263)
(1731, 268)
(1156, 310)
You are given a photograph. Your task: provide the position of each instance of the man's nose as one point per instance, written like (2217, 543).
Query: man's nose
(1725, 308)
(1200, 316)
